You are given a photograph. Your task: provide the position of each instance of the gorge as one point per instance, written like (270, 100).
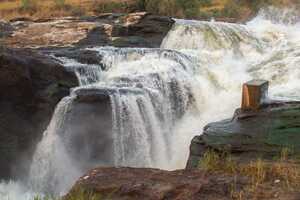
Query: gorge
(141, 107)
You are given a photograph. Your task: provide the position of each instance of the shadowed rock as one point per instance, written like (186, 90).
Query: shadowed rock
(87, 133)
(80, 55)
(30, 87)
(5, 29)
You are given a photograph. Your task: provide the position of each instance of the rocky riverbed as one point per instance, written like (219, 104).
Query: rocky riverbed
(119, 30)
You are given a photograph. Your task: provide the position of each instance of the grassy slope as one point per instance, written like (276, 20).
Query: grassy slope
(50, 8)
(276, 179)
(237, 9)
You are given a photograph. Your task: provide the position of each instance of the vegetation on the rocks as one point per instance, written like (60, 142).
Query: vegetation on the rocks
(177, 8)
(264, 179)
(79, 194)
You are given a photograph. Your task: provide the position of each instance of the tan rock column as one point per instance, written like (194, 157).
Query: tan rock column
(255, 93)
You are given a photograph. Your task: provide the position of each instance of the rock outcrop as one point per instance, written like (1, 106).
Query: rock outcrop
(31, 85)
(123, 30)
(251, 134)
(154, 184)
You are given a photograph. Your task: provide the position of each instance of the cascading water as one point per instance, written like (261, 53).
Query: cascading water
(161, 98)
(148, 89)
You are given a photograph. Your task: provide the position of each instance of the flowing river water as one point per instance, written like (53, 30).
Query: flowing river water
(161, 98)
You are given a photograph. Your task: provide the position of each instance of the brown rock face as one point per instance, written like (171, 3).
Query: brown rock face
(154, 184)
(52, 33)
(132, 30)
(30, 87)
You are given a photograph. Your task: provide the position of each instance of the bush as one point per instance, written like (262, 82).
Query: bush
(77, 11)
(28, 5)
(190, 7)
(140, 5)
(177, 8)
(60, 3)
(205, 2)
(111, 7)
(231, 9)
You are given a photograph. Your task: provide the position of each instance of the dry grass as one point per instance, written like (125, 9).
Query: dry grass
(10, 9)
(264, 178)
(78, 194)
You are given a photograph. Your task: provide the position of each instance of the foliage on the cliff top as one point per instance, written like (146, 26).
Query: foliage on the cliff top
(176, 8)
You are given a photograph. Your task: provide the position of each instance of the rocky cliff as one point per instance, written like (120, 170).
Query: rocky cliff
(31, 85)
(249, 135)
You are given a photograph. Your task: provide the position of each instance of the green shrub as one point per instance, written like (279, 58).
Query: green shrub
(177, 8)
(205, 2)
(25, 4)
(77, 11)
(112, 7)
(140, 5)
(28, 5)
(190, 7)
(60, 3)
(231, 9)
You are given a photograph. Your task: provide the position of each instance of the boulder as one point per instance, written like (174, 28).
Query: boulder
(251, 134)
(31, 84)
(154, 184)
(141, 30)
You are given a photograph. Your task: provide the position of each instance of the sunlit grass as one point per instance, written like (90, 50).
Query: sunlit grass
(176, 8)
(283, 171)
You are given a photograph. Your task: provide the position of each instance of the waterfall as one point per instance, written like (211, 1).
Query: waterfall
(156, 100)
(148, 91)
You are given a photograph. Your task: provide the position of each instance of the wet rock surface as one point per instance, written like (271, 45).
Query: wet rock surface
(82, 56)
(31, 85)
(251, 134)
(6, 29)
(88, 129)
(123, 30)
(154, 184)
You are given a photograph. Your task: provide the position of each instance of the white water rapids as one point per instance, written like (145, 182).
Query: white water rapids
(161, 98)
